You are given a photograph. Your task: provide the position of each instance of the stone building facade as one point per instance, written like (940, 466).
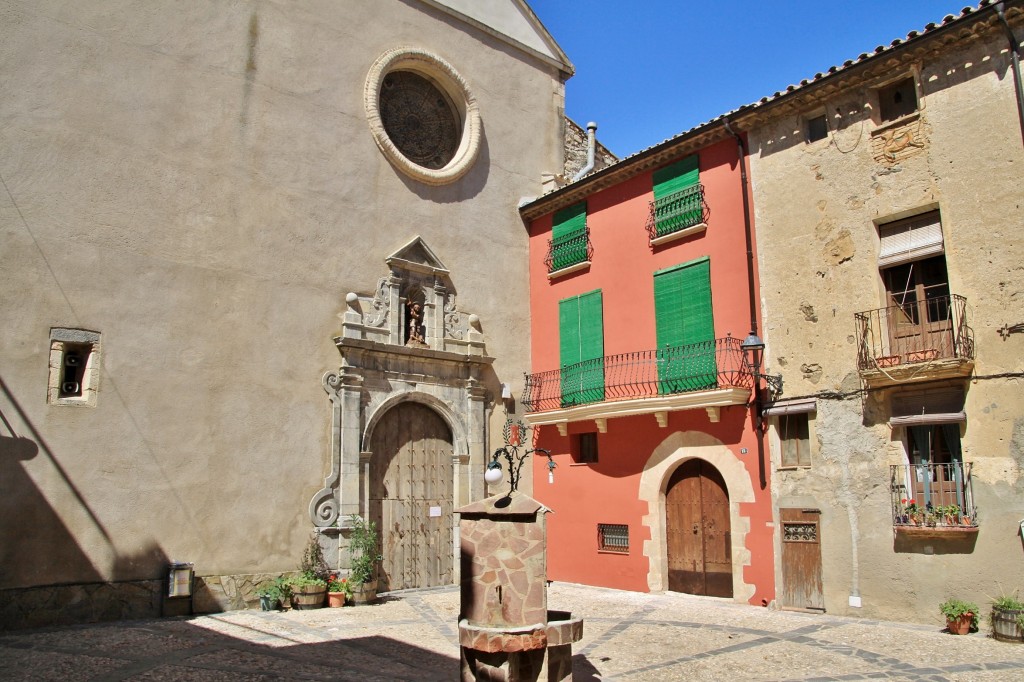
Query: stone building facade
(888, 195)
(238, 238)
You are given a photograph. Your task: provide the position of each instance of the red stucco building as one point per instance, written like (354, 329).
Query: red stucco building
(641, 285)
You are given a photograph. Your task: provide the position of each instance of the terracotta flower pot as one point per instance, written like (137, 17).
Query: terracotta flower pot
(961, 625)
(335, 599)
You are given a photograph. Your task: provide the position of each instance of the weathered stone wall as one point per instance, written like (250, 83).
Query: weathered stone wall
(198, 184)
(576, 147)
(817, 208)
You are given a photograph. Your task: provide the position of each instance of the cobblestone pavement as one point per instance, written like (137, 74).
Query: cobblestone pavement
(413, 636)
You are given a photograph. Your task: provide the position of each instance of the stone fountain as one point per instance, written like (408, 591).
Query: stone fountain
(506, 632)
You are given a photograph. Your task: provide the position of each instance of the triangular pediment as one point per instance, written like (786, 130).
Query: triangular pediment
(512, 21)
(416, 256)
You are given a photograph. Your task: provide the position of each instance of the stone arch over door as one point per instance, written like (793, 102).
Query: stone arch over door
(410, 483)
(663, 462)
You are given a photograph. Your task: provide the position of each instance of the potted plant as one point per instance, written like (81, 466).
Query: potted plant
(912, 512)
(284, 589)
(961, 616)
(309, 589)
(270, 597)
(337, 591)
(362, 577)
(1008, 618)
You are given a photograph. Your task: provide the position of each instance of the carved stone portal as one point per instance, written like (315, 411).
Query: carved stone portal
(407, 342)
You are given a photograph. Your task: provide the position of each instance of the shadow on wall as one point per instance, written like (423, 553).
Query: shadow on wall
(46, 576)
(48, 553)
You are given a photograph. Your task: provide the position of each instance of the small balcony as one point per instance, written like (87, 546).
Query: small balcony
(919, 340)
(707, 375)
(569, 253)
(678, 215)
(933, 499)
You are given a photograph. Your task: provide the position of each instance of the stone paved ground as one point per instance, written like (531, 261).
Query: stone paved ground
(413, 636)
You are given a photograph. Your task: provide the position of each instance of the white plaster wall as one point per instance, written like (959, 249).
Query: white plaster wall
(197, 182)
(815, 205)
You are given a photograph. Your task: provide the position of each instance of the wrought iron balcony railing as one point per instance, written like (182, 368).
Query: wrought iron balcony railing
(932, 495)
(678, 211)
(918, 331)
(718, 363)
(570, 249)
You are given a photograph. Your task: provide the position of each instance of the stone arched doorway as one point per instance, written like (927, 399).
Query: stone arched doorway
(411, 496)
(698, 531)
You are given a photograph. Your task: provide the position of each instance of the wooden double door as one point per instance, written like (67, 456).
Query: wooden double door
(411, 497)
(698, 531)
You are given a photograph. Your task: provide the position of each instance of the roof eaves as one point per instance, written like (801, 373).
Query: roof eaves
(640, 161)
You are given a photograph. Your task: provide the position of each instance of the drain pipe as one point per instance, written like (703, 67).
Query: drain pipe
(1015, 64)
(591, 151)
(741, 152)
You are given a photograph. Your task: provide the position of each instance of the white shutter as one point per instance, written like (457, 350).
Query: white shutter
(911, 239)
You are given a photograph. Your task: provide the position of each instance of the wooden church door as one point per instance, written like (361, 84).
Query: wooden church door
(411, 497)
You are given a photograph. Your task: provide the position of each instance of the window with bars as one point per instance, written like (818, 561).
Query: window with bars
(613, 537)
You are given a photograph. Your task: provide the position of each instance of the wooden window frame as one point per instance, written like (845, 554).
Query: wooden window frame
(889, 112)
(801, 440)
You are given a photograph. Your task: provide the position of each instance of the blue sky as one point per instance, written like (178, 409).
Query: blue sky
(647, 70)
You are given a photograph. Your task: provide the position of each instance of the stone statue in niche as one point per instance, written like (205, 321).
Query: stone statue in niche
(414, 324)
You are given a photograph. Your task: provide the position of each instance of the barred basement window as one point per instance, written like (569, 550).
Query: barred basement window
(613, 537)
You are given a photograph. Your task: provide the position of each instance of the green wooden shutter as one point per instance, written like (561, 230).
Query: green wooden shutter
(569, 237)
(685, 328)
(581, 345)
(676, 177)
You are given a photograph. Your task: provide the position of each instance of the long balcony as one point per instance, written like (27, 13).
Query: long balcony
(933, 497)
(707, 375)
(895, 341)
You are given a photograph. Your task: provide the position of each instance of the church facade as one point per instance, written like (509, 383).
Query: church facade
(250, 274)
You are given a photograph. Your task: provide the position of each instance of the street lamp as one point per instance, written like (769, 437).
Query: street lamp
(515, 433)
(753, 351)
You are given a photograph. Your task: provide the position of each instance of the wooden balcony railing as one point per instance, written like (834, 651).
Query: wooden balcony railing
(932, 495)
(918, 331)
(702, 366)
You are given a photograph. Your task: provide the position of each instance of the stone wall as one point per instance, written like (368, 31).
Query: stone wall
(818, 206)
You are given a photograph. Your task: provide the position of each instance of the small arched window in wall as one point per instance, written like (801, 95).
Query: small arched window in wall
(74, 367)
